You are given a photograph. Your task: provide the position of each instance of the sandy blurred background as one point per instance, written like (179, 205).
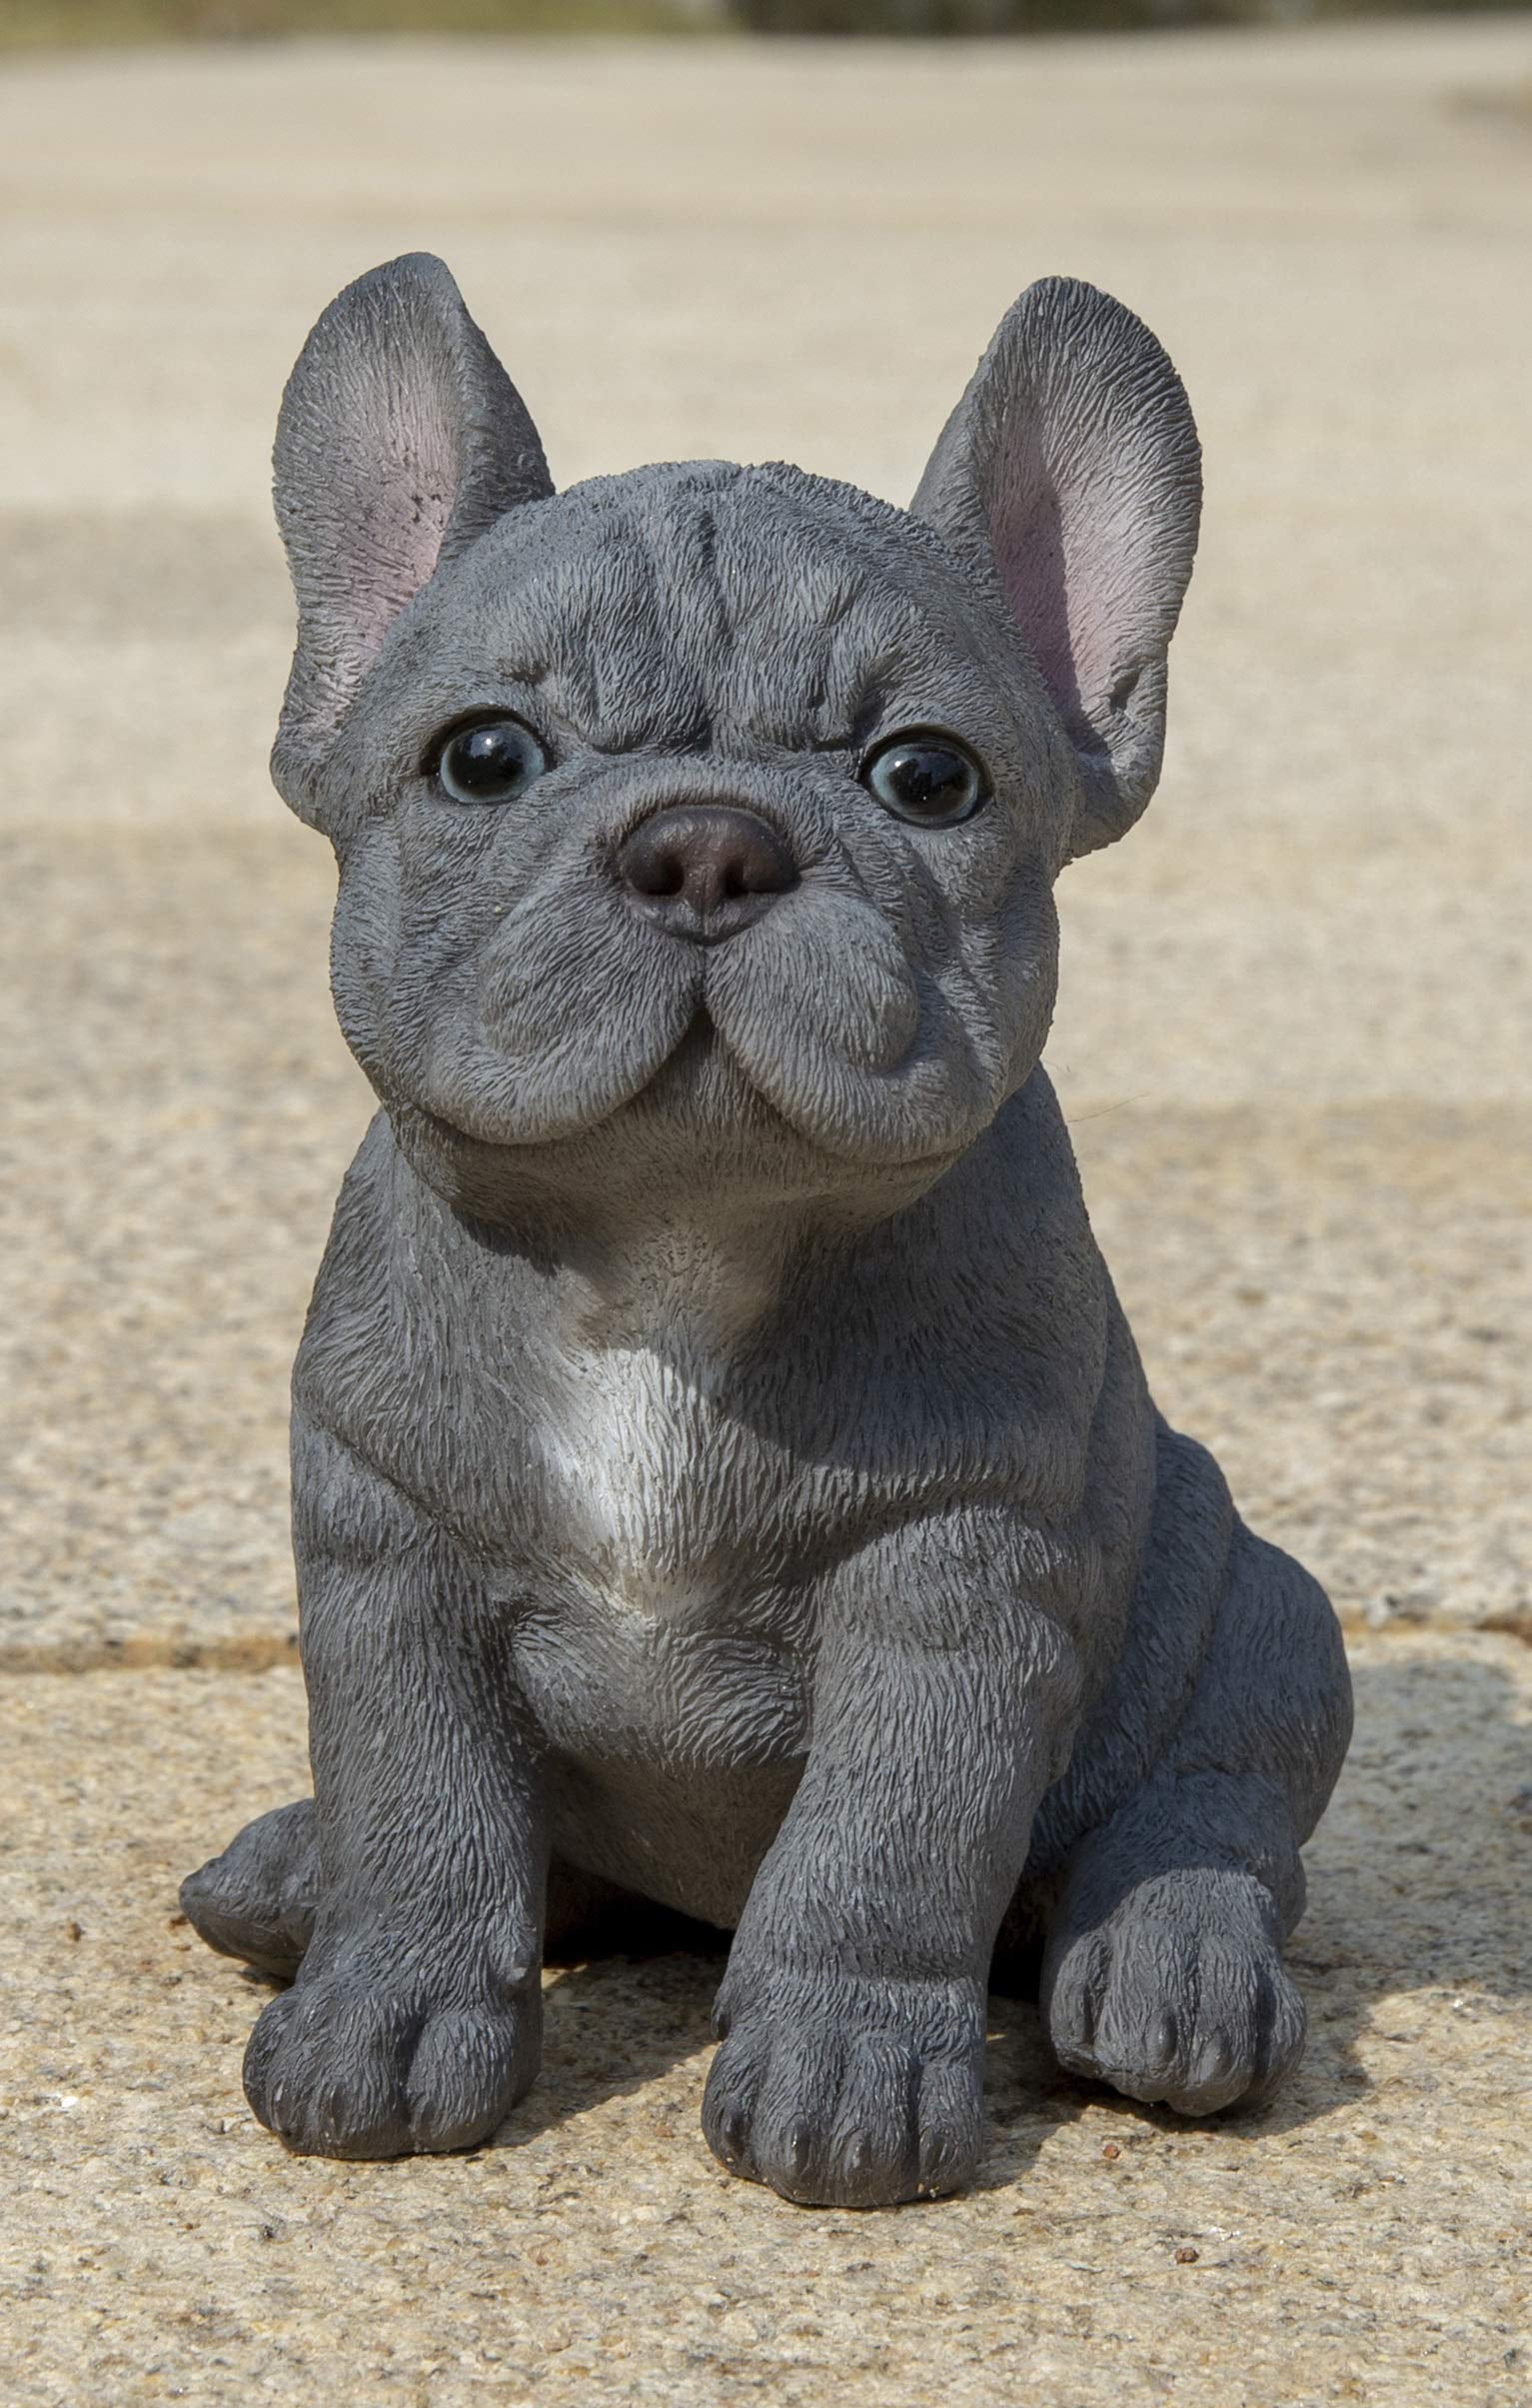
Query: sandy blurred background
(1294, 1032)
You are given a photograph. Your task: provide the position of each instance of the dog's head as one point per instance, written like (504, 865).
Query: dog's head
(709, 812)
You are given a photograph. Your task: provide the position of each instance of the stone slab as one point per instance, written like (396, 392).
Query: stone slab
(1362, 2240)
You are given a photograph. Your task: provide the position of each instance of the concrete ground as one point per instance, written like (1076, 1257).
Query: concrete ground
(1295, 1039)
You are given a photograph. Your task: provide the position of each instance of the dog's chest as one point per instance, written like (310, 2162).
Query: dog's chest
(668, 1624)
(664, 1502)
(660, 1498)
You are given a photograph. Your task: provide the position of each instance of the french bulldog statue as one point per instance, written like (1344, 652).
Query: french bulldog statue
(723, 1476)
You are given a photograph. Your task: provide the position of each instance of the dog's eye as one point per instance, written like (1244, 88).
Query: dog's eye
(926, 778)
(491, 763)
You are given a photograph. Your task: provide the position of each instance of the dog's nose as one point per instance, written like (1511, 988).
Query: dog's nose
(704, 871)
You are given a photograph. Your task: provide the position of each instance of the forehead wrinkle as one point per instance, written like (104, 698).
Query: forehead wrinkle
(841, 607)
(684, 618)
(596, 621)
(695, 609)
(684, 548)
(816, 647)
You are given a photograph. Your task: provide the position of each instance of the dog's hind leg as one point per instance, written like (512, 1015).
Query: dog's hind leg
(1163, 1969)
(257, 1901)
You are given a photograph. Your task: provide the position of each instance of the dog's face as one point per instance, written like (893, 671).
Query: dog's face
(701, 823)
(705, 790)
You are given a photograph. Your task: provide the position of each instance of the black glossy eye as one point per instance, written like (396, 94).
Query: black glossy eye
(926, 778)
(491, 763)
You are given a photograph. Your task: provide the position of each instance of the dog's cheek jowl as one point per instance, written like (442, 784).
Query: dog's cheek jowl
(574, 1012)
(823, 979)
(869, 1011)
(915, 1089)
(1024, 974)
(365, 940)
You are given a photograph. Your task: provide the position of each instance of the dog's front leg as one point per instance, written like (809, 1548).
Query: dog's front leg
(853, 2012)
(415, 2020)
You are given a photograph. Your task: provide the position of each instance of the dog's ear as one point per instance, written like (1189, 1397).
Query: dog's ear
(1070, 471)
(401, 439)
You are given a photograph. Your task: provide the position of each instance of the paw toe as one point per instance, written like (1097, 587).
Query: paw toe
(467, 2073)
(1282, 2030)
(1138, 2038)
(951, 2128)
(337, 2068)
(730, 2095)
(1072, 2003)
(793, 2130)
(1215, 2075)
(1176, 2015)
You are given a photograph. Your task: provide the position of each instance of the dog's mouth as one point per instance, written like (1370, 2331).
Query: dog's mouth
(699, 1083)
(700, 1117)
(704, 1083)
(811, 1033)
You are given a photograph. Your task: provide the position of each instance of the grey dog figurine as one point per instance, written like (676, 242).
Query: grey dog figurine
(723, 1476)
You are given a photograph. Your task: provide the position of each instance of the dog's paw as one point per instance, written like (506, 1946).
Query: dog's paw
(847, 2093)
(1178, 1996)
(258, 1901)
(364, 2059)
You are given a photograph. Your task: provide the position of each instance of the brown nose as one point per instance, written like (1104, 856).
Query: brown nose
(704, 870)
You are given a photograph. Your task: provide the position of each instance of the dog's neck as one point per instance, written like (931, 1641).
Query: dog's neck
(694, 1274)
(635, 1237)
(692, 1283)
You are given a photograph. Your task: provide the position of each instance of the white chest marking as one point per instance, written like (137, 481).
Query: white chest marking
(643, 1461)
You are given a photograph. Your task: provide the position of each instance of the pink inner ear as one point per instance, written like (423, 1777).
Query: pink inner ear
(1027, 536)
(1065, 559)
(399, 432)
(390, 551)
(1069, 469)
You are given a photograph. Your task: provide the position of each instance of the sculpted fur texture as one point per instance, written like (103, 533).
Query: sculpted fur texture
(722, 1472)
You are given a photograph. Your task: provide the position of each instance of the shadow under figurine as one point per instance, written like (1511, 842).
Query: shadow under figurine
(720, 1465)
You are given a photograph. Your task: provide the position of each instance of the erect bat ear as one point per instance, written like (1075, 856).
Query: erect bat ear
(1070, 471)
(401, 440)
